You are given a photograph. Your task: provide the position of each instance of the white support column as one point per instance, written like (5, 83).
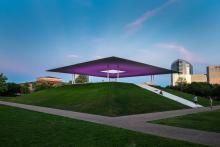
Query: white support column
(108, 76)
(73, 79)
(151, 79)
(117, 76)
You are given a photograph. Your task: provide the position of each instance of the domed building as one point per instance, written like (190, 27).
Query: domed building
(185, 70)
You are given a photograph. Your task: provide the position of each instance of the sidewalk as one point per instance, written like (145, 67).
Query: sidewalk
(170, 96)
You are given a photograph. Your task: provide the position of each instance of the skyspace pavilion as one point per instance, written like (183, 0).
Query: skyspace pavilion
(112, 67)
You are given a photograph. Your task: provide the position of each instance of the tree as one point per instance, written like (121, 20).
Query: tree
(82, 79)
(42, 86)
(201, 89)
(216, 92)
(181, 83)
(25, 89)
(12, 89)
(3, 85)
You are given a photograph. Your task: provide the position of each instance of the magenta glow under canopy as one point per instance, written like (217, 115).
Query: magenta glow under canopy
(114, 66)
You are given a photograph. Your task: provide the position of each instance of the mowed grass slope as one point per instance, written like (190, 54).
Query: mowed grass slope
(25, 128)
(207, 121)
(111, 99)
(201, 100)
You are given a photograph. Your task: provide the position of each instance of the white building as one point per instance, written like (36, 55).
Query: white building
(185, 70)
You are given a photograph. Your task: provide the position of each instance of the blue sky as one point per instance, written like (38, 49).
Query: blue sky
(36, 35)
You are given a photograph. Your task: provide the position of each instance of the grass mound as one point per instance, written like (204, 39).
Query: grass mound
(111, 99)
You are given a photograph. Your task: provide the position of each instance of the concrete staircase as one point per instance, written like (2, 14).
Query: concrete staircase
(170, 96)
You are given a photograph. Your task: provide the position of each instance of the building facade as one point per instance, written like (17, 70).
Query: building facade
(182, 66)
(213, 74)
(200, 78)
(51, 80)
(185, 74)
(185, 70)
(42, 80)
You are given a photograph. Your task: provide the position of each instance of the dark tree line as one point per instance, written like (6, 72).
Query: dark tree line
(200, 89)
(11, 89)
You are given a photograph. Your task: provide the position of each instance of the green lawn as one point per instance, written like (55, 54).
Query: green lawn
(208, 121)
(110, 99)
(19, 127)
(201, 100)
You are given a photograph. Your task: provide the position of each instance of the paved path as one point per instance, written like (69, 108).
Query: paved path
(165, 114)
(170, 96)
(138, 123)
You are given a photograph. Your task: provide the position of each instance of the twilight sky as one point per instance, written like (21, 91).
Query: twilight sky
(36, 35)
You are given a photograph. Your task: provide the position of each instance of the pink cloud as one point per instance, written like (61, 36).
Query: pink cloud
(132, 27)
(14, 66)
(72, 56)
(184, 52)
(98, 57)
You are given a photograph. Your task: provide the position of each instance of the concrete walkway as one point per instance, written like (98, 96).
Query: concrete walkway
(170, 96)
(138, 123)
(165, 114)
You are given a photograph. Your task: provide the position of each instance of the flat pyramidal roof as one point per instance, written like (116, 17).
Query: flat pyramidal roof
(113, 67)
